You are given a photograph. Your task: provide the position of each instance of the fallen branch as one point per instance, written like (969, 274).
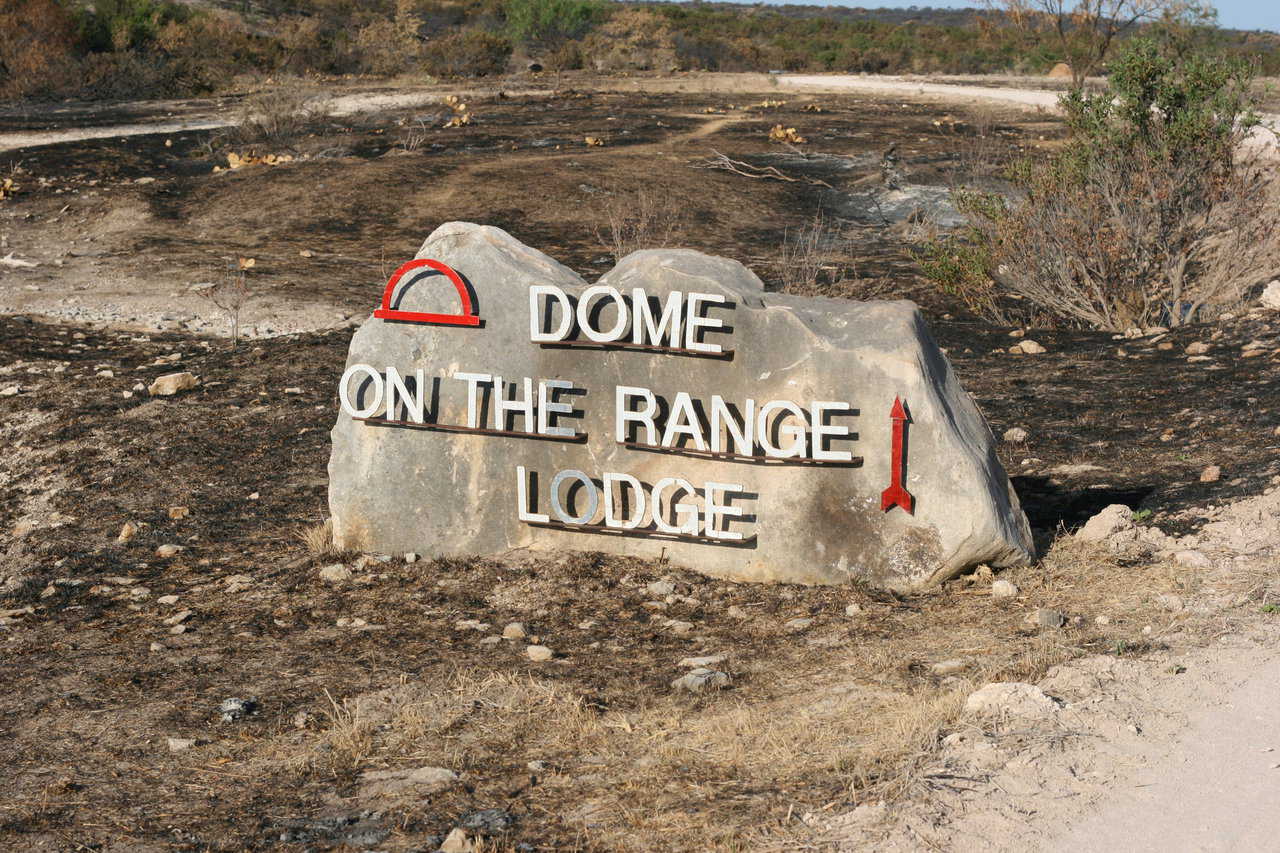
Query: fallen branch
(762, 173)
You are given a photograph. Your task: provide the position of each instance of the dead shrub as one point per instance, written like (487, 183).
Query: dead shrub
(37, 41)
(639, 220)
(278, 116)
(470, 53)
(230, 294)
(812, 258)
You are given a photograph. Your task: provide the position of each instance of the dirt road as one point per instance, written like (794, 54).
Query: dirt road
(1216, 788)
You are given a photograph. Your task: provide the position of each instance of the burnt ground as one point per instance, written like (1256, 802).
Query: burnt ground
(90, 701)
(96, 681)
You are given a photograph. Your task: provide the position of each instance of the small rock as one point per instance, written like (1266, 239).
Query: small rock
(514, 631)
(948, 667)
(677, 626)
(1211, 474)
(537, 766)
(700, 662)
(1192, 559)
(1027, 347)
(180, 744)
(1047, 617)
(235, 708)
(799, 624)
(418, 780)
(167, 551)
(335, 573)
(1116, 518)
(411, 557)
(179, 617)
(10, 391)
(457, 842)
(1102, 620)
(1170, 602)
(1012, 698)
(658, 589)
(1016, 435)
(1197, 348)
(167, 599)
(538, 653)
(736, 612)
(1270, 297)
(171, 383)
(471, 625)
(853, 610)
(1004, 589)
(700, 680)
(177, 513)
(128, 530)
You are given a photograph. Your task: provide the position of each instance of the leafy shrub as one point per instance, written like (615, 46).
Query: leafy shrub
(472, 53)
(546, 23)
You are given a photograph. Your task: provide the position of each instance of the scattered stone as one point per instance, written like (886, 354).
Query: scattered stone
(701, 662)
(167, 599)
(736, 612)
(514, 631)
(235, 708)
(169, 550)
(1004, 589)
(457, 841)
(1193, 560)
(335, 573)
(1197, 348)
(177, 513)
(1271, 296)
(1170, 602)
(171, 383)
(1102, 620)
(180, 744)
(1016, 435)
(798, 624)
(853, 610)
(1047, 617)
(658, 589)
(128, 530)
(1011, 698)
(948, 667)
(538, 654)
(1211, 474)
(237, 583)
(418, 781)
(1116, 518)
(487, 821)
(677, 626)
(537, 766)
(10, 391)
(1027, 347)
(411, 557)
(471, 625)
(700, 680)
(179, 617)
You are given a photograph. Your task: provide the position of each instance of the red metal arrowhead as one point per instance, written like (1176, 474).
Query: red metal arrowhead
(896, 494)
(898, 413)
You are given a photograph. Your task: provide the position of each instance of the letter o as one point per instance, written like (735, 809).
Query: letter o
(344, 394)
(558, 508)
(584, 313)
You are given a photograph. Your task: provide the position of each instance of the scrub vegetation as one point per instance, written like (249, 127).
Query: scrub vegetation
(117, 49)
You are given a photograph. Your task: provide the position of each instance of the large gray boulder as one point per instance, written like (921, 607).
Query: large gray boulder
(395, 490)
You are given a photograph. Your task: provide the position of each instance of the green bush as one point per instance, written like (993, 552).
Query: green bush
(549, 22)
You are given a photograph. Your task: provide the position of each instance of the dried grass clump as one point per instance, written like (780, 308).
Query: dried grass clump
(280, 115)
(318, 540)
(813, 257)
(639, 220)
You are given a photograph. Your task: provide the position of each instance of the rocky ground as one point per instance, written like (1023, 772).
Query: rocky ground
(189, 668)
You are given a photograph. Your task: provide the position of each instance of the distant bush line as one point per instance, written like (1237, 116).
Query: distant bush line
(155, 48)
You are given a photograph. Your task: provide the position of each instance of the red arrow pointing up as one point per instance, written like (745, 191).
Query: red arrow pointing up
(896, 494)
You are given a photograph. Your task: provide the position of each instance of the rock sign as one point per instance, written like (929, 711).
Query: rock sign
(497, 401)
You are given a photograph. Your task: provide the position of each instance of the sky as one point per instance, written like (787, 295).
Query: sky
(1235, 14)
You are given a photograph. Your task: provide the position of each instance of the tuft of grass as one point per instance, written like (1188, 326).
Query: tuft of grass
(318, 539)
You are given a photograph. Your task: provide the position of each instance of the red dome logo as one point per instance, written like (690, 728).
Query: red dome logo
(468, 316)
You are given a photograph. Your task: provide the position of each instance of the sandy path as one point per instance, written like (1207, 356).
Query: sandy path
(1217, 788)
